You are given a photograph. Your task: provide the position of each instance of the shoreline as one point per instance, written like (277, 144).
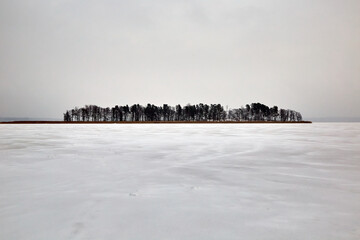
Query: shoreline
(155, 122)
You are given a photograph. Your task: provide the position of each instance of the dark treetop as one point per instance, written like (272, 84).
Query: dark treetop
(188, 113)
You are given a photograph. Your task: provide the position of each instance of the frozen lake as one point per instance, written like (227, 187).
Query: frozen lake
(181, 181)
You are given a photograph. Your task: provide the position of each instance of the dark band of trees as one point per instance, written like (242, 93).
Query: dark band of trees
(188, 113)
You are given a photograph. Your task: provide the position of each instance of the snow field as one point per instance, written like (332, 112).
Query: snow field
(180, 181)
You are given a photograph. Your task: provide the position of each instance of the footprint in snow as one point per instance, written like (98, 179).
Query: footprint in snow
(77, 228)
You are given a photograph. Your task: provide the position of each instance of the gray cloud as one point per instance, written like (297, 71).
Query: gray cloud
(56, 55)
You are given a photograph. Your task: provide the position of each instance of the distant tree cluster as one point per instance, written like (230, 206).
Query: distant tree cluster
(188, 113)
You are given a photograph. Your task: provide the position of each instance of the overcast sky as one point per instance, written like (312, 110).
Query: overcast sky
(58, 54)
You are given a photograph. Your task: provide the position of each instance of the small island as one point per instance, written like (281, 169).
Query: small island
(198, 113)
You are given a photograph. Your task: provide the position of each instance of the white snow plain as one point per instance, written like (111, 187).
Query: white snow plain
(180, 181)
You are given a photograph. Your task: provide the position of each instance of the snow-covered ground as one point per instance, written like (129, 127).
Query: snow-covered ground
(152, 181)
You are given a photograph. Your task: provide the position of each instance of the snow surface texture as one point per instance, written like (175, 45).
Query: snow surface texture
(181, 181)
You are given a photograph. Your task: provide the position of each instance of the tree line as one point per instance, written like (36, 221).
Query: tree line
(187, 113)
